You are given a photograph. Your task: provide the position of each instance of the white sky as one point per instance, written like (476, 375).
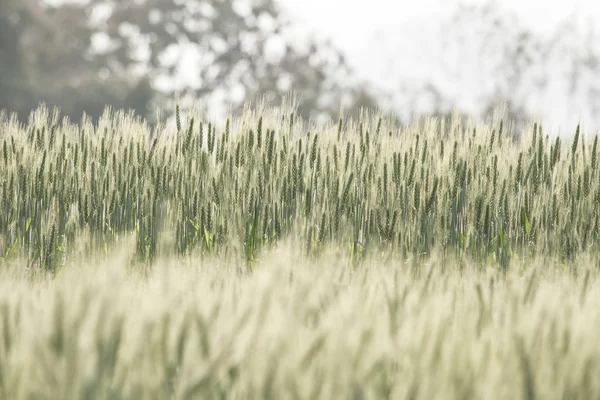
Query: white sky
(353, 25)
(350, 21)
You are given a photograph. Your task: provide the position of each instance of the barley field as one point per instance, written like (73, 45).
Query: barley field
(265, 257)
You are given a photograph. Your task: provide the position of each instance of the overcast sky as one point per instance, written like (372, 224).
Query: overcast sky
(354, 27)
(358, 28)
(354, 22)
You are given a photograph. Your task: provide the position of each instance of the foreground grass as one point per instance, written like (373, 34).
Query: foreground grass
(296, 329)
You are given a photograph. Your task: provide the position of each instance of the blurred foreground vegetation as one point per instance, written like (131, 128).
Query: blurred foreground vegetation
(297, 328)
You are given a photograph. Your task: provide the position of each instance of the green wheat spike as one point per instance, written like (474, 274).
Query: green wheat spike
(594, 157)
(259, 133)
(291, 126)
(575, 142)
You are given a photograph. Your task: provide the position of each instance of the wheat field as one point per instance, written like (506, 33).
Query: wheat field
(265, 257)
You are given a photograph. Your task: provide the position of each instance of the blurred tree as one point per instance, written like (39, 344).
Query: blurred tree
(483, 56)
(44, 58)
(505, 50)
(136, 54)
(227, 51)
(518, 67)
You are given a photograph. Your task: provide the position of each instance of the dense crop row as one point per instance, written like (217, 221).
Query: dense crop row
(361, 185)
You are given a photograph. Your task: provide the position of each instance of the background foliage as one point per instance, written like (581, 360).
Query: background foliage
(83, 56)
